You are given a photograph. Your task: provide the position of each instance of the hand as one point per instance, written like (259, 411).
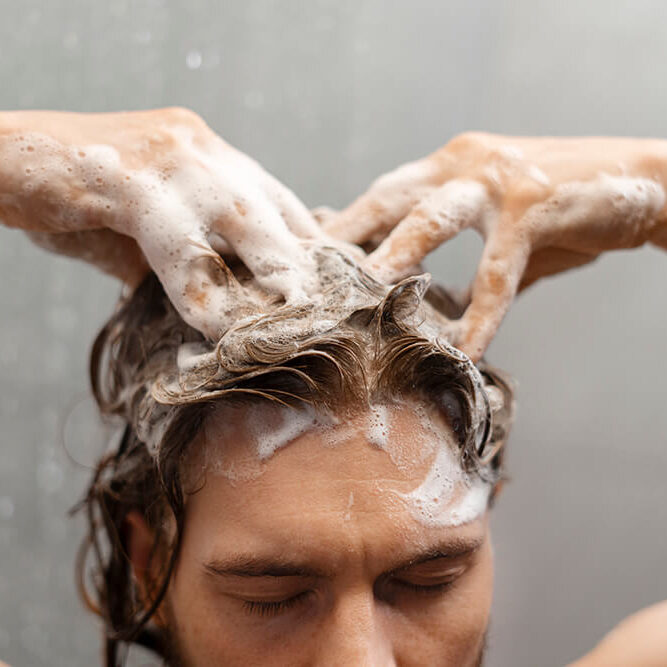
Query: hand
(542, 206)
(126, 191)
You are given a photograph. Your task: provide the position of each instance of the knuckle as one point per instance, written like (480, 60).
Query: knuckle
(467, 141)
(181, 112)
(384, 182)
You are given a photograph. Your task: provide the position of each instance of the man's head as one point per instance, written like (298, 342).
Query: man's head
(309, 491)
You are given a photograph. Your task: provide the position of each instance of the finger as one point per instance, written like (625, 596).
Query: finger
(261, 238)
(550, 261)
(498, 276)
(454, 206)
(298, 218)
(114, 253)
(387, 201)
(323, 214)
(199, 284)
(197, 281)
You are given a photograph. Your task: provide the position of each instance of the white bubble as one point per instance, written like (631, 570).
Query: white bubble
(194, 59)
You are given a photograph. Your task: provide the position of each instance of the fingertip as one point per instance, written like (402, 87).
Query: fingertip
(474, 335)
(324, 214)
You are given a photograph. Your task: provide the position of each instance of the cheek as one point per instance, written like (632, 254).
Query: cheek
(211, 629)
(192, 619)
(198, 620)
(450, 631)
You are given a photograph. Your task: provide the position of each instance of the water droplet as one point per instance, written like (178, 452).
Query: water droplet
(193, 59)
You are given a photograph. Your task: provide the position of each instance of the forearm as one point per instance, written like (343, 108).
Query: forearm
(34, 170)
(58, 171)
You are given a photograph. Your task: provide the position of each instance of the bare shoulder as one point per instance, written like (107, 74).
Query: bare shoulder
(639, 640)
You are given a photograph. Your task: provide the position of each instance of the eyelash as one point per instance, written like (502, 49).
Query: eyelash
(260, 608)
(435, 589)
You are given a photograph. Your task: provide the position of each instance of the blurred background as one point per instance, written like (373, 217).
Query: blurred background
(328, 95)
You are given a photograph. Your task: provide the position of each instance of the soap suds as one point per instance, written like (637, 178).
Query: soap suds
(242, 440)
(448, 496)
(285, 425)
(538, 175)
(510, 152)
(378, 426)
(628, 206)
(350, 503)
(454, 206)
(172, 191)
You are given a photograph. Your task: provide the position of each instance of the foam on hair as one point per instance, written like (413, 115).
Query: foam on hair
(354, 344)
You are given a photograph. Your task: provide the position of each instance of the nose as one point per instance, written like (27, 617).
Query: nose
(354, 634)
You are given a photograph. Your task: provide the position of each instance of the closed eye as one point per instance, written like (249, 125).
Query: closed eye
(275, 607)
(424, 589)
(433, 577)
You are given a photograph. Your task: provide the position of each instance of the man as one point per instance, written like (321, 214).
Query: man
(168, 183)
(316, 498)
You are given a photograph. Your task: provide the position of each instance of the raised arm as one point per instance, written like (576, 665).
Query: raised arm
(154, 188)
(543, 205)
(638, 641)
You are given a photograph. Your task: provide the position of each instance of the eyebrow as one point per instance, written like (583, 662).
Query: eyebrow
(247, 565)
(451, 550)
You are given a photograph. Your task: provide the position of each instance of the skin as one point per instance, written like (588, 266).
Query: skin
(332, 510)
(172, 195)
(640, 641)
(160, 188)
(542, 205)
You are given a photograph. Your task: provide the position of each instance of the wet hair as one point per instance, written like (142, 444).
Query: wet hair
(360, 342)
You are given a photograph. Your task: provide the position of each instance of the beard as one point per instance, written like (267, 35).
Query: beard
(175, 657)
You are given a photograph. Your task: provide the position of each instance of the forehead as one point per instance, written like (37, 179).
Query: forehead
(274, 475)
(395, 440)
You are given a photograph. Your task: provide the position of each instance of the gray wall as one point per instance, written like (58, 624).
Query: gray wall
(328, 94)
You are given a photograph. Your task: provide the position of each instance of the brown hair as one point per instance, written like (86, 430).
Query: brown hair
(363, 341)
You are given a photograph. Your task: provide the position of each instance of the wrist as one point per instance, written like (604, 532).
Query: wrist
(654, 166)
